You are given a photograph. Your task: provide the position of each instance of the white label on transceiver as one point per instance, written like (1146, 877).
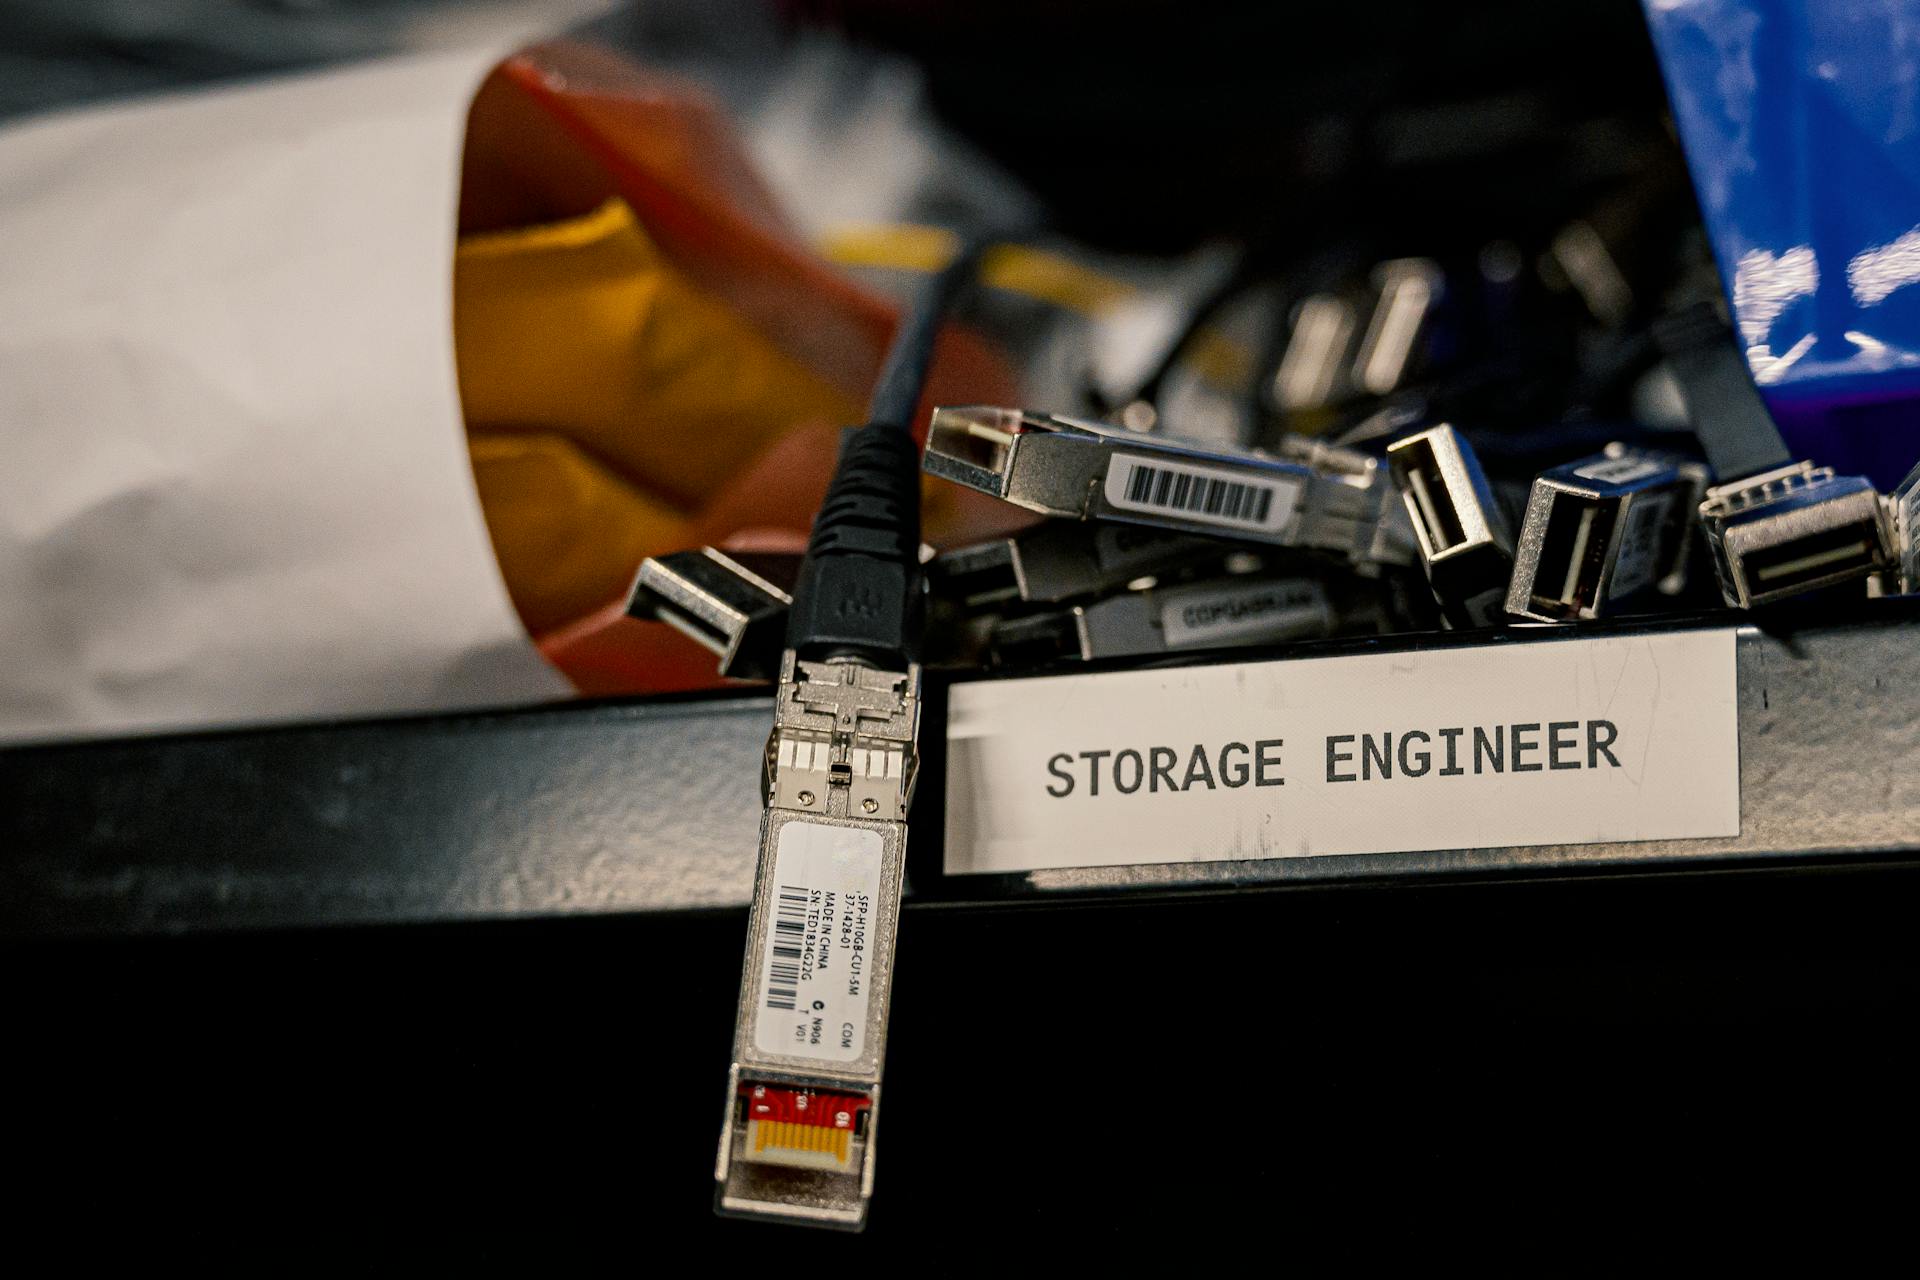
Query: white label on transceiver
(816, 971)
(1577, 741)
(1254, 608)
(1622, 470)
(1201, 494)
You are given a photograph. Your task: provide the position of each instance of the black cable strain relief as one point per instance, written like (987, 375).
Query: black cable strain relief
(859, 592)
(873, 505)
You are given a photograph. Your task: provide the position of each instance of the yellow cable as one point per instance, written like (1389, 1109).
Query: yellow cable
(1021, 269)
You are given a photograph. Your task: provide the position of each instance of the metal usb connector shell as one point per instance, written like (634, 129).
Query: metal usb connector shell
(1464, 544)
(1409, 290)
(1603, 530)
(1061, 560)
(1794, 529)
(1231, 612)
(1089, 471)
(839, 774)
(1904, 511)
(737, 607)
(1236, 610)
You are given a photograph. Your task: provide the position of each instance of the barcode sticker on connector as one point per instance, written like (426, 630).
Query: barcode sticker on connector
(1201, 494)
(814, 970)
(1541, 742)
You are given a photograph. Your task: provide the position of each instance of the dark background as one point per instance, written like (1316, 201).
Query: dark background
(1361, 1069)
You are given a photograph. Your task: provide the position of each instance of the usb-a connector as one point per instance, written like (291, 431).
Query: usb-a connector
(734, 605)
(803, 1095)
(1603, 530)
(1464, 544)
(1905, 513)
(1794, 529)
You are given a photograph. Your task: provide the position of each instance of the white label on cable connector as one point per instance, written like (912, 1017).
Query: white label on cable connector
(1622, 470)
(1201, 494)
(815, 969)
(1247, 609)
(1535, 742)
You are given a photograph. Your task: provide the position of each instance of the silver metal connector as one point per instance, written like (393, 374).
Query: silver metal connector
(1090, 471)
(1905, 503)
(1231, 612)
(803, 1094)
(1793, 529)
(1464, 544)
(1603, 530)
(1410, 289)
(1061, 560)
(735, 606)
(1236, 610)
(1313, 369)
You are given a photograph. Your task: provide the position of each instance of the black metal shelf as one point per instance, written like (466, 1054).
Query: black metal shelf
(653, 805)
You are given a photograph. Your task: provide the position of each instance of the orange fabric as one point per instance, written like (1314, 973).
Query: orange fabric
(649, 357)
(581, 327)
(538, 493)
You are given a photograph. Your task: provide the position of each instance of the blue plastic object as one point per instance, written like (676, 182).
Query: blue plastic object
(1801, 124)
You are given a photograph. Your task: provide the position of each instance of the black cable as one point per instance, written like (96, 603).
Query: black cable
(1203, 313)
(859, 591)
(903, 375)
(1735, 429)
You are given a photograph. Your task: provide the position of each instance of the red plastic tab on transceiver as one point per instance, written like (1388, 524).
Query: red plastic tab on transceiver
(803, 1127)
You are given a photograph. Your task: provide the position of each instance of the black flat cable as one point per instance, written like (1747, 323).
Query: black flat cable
(1731, 420)
(859, 592)
(1239, 278)
(903, 374)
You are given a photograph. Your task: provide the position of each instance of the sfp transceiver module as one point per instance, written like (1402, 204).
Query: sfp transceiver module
(1089, 471)
(1603, 530)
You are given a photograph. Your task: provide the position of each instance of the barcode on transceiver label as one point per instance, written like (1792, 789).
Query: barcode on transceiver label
(1200, 494)
(815, 971)
(789, 937)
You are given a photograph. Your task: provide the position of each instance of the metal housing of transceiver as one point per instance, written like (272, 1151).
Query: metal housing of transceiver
(1793, 529)
(842, 756)
(1602, 530)
(1464, 544)
(1904, 513)
(1218, 613)
(736, 609)
(1229, 611)
(1060, 560)
(1089, 471)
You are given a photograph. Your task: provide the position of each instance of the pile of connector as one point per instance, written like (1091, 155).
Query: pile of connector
(1151, 544)
(1157, 545)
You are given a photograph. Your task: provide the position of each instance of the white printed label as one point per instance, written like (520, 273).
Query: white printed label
(1622, 470)
(1214, 614)
(1576, 741)
(815, 970)
(1201, 494)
